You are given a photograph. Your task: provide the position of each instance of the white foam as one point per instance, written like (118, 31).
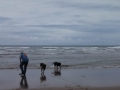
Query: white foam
(13, 47)
(117, 47)
(50, 47)
(24, 47)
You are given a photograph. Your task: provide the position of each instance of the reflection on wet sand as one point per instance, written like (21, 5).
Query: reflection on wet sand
(57, 72)
(43, 77)
(23, 82)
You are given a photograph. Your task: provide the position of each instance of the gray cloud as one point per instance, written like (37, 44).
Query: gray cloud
(60, 22)
(3, 19)
(88, 6)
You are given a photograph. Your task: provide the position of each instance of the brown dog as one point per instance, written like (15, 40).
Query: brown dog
(43, 67)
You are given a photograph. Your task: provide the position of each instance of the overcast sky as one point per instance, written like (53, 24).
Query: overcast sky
(59, 22)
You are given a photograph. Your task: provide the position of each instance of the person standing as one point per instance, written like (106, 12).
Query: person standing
(23, 63)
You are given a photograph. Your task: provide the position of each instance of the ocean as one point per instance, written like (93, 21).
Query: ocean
(69, 56)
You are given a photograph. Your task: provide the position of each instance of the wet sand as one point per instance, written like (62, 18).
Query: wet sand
(67, 79)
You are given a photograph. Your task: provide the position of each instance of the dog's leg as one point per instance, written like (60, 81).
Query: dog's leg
(41, 69)
(57, 67)
(54, 66)
(42, 73)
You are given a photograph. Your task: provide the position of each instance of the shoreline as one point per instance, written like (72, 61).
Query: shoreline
(67, 79)
(72, 67)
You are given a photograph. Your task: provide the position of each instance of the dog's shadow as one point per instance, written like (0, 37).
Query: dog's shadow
(23, 82)
(42, 77)
(57, 72)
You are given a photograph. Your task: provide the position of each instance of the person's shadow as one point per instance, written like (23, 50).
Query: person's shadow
(23, 82)
(42, 77)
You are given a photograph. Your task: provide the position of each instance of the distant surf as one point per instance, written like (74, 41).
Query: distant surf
(69, 56)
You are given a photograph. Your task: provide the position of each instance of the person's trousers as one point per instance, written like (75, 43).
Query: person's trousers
(23, 67)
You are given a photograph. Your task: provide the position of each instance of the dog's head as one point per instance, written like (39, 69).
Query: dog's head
(41, 64)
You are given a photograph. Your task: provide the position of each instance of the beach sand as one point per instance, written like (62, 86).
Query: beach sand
(67, 79)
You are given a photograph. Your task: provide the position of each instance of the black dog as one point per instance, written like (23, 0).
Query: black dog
(43, 67)
(56, 64)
